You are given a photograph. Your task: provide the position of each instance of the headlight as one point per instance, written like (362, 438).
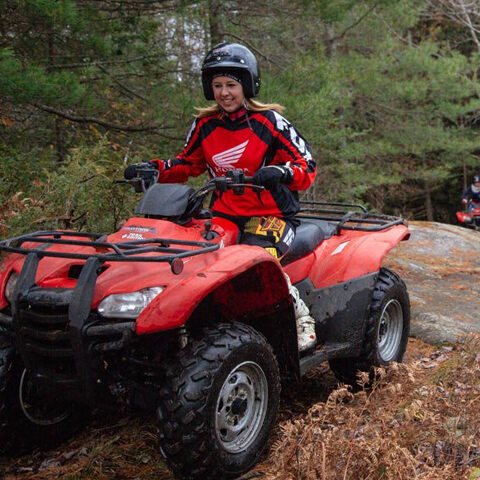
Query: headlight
(10, 286)
(127, 305)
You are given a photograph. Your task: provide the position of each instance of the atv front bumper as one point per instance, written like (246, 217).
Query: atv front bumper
(60, 340)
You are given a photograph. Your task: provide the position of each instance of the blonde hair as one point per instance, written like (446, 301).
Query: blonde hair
(251, 105)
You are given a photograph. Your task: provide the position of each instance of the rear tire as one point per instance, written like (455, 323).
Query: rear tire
(29, 420)
(387, 329)
(219, 404)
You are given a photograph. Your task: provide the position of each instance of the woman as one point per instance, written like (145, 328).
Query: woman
(238, 132)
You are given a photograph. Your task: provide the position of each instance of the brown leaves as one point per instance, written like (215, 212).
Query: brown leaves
(7, 122)
(410, 425)
(414, 423)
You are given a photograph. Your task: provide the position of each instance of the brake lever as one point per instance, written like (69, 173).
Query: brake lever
(257, 188)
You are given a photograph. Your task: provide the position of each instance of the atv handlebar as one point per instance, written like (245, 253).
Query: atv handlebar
(236, 180)
(147, 175)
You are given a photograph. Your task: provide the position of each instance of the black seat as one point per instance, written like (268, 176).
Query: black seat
(307, 237)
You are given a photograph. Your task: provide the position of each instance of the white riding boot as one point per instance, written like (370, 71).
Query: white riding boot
(305, 323)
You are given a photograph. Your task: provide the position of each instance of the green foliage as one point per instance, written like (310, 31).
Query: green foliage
(80, 196)
(389, 104)
(385, 112)
(31, 83)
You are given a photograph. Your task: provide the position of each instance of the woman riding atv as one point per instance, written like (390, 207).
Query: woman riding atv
(472, 193)
(238, 132)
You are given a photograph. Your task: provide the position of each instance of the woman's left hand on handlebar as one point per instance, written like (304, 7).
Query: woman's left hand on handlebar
(272, 176)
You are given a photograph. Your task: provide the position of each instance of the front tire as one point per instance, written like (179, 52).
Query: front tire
(219, 404)
(387, 330)
(28, 419)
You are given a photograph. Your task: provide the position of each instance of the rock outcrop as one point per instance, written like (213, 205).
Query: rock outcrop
(440, 264)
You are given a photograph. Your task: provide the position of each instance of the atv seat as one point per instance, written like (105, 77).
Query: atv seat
(307, 237)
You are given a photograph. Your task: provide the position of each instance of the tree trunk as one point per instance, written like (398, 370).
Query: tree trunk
(428, 193)
(59, 144)
(428, 201)
(215, 22)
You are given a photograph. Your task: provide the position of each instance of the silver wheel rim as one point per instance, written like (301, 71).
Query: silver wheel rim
(32, 413)
(390, 330)
(241, 407)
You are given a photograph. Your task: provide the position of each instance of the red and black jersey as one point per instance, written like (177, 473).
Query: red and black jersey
(220, 143)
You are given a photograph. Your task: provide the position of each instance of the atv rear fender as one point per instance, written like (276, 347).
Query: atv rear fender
(354, 254)
(243, 282)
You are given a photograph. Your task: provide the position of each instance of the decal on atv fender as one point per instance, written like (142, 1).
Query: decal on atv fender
(340, 248)
(133, 236)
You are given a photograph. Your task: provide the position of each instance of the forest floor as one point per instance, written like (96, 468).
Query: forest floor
(419, 420)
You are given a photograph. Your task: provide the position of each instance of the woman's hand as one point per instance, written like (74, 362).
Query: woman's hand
(272, 176)
(132, 170)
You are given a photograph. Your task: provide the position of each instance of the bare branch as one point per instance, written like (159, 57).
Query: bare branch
(460, 12)
(359, 20)
(98, 121)
(121, 85)
(468, 21)
(246, 42)
(97, 63)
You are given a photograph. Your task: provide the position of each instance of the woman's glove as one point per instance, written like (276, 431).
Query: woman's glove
(272, 176)
(132, 170)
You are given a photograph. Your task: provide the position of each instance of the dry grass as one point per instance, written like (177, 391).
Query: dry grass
(419, 421)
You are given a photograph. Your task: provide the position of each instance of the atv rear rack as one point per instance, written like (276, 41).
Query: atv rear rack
(131, 251)
(348, 216)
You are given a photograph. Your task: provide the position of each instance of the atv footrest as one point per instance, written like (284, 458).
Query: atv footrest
(322, 354)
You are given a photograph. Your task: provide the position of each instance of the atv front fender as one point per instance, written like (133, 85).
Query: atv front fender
(244, 280)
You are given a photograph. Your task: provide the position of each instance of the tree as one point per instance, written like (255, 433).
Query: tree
(385, 91)
(463, 13)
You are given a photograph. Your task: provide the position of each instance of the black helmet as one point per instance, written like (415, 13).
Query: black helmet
(231, 58)
(476, 179)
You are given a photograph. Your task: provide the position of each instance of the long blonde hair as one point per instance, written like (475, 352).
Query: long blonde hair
(250, 104)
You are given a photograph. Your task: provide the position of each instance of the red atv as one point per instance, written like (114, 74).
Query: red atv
(171, 314)
(470, 218)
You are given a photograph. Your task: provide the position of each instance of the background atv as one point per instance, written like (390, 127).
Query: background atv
(470, 218)
(170, 313)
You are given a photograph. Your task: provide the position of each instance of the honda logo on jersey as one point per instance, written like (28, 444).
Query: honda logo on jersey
(227, 159)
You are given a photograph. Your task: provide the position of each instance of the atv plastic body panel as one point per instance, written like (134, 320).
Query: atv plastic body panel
(63, 276)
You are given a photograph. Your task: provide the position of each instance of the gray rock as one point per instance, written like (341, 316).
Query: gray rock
(440, 264)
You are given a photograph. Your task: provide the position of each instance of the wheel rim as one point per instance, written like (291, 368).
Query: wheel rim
(39, 410)
(241, 407)
(390, 330)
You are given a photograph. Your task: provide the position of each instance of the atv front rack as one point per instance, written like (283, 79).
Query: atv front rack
(60, 339)
(131, 251)
(348, 216)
